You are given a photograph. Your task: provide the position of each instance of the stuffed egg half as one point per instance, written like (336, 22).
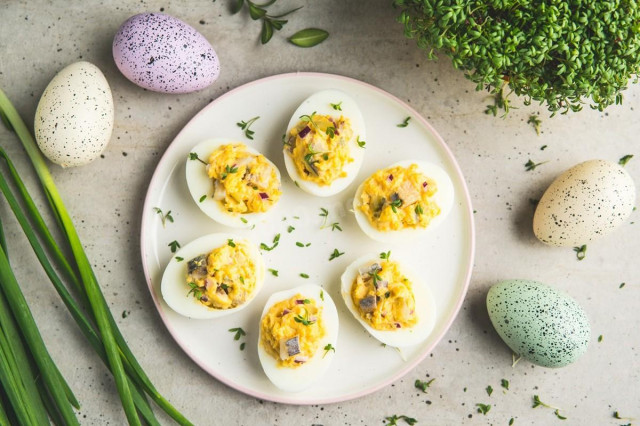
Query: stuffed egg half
(401, 202)
(231, 182)
(325, 143)
(297, 337)
(388, 300)
(213, 276)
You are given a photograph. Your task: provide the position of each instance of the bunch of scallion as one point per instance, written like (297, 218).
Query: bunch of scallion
(33, 391)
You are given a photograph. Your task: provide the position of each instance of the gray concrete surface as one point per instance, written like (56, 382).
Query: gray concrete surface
(38, 38)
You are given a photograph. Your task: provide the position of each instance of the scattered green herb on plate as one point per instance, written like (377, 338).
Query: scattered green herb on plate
(163, 216)
(483, 408)
(174, 246)
(276, 241)
(328, 347)
(239, 332)
(194, 156)
(489, 390)
(393, 420)
(274, 272)
(335, 254)
(245, 125)
(404, 123)
(303, 275)
(504, 383)
(535, 122)
(624, 160)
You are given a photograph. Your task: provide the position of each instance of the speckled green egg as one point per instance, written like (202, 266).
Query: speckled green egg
(538, 322)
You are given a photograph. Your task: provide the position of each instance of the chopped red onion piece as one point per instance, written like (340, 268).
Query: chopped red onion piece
(264, 195)
(424, 184)
(304, 132)
(299, 301)
(398, 325)
(285, 312)
(390, 178)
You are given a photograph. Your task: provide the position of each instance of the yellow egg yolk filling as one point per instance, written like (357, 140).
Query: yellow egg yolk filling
(384, 297)
(291, 331)
(319, 147)
(224, 278)
(242, 181)
(399, 198)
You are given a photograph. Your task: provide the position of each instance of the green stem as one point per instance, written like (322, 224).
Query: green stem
(86, 273)
(130, 363)
(49, 372)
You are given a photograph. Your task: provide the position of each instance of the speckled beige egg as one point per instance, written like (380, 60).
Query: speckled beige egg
(584, 203)
(538, 322)
(74, 118)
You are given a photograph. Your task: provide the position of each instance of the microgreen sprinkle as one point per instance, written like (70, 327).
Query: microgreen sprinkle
(204, 197)
(276, 241)
(290, 229)
(174, 245)
(405, 123)
(530, 165)
(504, 383)
(361, 143)
(337, 107)
(303, 275)
(423, 385)
(624, 160)
(274, 272)
(194, 156)
(328, 347)
(581, 251)
(239, 332)
(335, 254)
(163, 216)
(245, 125)
(393, 420)
(385, 255)
(179, 259)
(535, 122)
(489, 390)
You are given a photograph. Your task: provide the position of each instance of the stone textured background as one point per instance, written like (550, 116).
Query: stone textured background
(38, 38)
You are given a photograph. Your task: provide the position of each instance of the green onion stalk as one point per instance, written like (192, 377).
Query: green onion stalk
(99, 327)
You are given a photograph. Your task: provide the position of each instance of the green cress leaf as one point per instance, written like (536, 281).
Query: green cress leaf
(267, 31)
(309, 37)
(563, 54)
(624, 160)
(236, 6)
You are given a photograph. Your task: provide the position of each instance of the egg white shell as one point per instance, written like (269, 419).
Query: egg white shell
(443, 197)
(74, 118)
(584, 203)
(301, 378)
(200, 184)
(162, 53)
(320, 102)
(174, 287)
(425, 306)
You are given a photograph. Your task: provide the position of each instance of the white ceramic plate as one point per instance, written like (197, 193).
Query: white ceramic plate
(361, 364)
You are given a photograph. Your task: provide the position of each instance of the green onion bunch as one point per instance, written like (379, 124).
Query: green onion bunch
(33, 392)
(557, 52)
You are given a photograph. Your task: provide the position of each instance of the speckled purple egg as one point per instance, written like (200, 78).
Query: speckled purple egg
(164, 54)
(538, 322)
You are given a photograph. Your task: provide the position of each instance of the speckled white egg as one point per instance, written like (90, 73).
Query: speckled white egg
(443, 198)
(425, 308)
(333, 103)
(538, 322)
(74, 118)
(164, 54)
(176, 291)
(584, 203)
(312, 370)
(202, 189)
